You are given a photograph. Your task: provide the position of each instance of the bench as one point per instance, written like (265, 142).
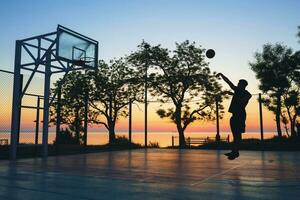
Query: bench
(189, 141)
(200, 140)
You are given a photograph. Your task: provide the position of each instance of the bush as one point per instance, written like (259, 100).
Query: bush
(123, 141)
(153, 145)
(65, 136)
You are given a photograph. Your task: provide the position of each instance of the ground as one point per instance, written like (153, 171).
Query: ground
(154, 174)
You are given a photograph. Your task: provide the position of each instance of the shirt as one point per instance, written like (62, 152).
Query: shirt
(239, 101)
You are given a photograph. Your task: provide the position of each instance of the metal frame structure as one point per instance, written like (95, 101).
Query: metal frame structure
(43, 59)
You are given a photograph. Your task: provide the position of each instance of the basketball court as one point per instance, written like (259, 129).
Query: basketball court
(154, 174)
(137, 174)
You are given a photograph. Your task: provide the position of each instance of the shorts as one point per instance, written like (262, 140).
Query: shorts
(238, 123)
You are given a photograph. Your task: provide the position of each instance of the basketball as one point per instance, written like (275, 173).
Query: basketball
(210, 53)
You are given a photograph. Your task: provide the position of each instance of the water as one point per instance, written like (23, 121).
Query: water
(163, 138)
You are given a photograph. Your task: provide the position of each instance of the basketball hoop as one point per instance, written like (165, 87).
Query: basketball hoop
(76, 48)
(84, 61)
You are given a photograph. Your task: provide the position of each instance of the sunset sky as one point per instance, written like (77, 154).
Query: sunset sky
(234, 29)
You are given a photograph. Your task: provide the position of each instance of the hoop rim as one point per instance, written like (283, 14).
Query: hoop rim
(83, 61)
(87, 59)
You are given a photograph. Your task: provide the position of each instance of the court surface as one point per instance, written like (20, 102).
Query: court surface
(154, 174)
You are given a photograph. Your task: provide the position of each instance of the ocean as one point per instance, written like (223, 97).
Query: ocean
(162, 138)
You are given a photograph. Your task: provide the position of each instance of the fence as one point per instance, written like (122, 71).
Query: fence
(133, 127)
(5, 111)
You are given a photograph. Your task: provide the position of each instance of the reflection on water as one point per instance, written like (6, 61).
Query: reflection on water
(163, 138)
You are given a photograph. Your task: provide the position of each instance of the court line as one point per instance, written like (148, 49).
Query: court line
(215, 175)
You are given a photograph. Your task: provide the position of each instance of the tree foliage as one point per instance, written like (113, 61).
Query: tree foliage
(182, 77)
(108, 89)
(276, 69)
(74, 90)
(113, 86)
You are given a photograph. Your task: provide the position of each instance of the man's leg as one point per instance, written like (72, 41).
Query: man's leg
(236, 142)
(232, 127)
(236, 146)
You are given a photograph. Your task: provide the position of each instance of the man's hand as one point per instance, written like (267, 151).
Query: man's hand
(233, 87)
(219, 75)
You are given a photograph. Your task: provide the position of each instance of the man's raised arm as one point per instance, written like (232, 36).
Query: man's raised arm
(231, 85)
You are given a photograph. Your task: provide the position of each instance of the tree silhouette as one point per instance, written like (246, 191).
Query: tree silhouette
(275, 68)
(292, 96)
(74, 90)
(181, 76)
(108, 89)
(292, 105)
(113, 85)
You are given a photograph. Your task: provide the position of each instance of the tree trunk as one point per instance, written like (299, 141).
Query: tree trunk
(182, 143)
(77, 127)
(111, 123)
(298, 129)
(293, 132)
(180, 130)
(112, 133)
(112, 136)
(278, 112)
(293, 127)
(292, 122)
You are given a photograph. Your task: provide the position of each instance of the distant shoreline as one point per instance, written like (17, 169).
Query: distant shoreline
(142, 131)
(164, 139)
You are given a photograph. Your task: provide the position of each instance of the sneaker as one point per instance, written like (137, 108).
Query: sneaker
(228, 154)
(233, 156)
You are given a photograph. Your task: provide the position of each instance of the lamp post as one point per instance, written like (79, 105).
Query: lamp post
(146, 107)
(217, 122)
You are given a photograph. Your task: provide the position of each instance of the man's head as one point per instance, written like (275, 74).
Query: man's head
(242, 84)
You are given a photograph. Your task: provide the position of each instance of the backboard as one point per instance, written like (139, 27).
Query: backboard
(76, 48)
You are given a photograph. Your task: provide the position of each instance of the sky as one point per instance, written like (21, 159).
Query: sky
(234, 29)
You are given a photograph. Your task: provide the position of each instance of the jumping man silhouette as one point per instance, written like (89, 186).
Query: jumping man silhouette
(237, 107)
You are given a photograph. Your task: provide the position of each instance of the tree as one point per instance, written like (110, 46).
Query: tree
(109, 89)
(292, 106)
(74, 90)
(113, 85)
(275, 69)
(182, 77)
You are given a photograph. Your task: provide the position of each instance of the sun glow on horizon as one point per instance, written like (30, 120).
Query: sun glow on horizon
(155, 123)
